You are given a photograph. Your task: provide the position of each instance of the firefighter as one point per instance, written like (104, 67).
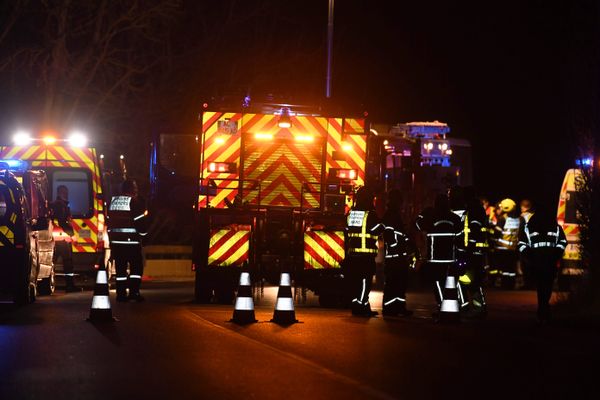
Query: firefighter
(442, 227)
(361, 234)
(61, 215)
(543, 242)
(475, 241)
(399, 256)
(527, 212)
(506, 239)
(126, 230)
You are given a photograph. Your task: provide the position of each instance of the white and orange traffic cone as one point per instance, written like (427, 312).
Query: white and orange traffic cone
(243, 312)
(100, 311)
(284, 307)
(450, 309)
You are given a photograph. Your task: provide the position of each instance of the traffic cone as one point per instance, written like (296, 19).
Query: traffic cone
(284, 308)
(243, 312)
(100, 311)
(450, 309)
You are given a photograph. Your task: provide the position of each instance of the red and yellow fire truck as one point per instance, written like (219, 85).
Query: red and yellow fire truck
(275, 182)
(69, 162)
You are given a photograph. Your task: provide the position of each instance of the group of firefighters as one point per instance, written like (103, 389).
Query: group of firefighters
(460, 231)
(464, 236)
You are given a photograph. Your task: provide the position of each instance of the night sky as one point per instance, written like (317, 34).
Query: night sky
(516, 78)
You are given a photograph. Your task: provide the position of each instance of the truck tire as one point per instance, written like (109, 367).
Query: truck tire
(47, 286)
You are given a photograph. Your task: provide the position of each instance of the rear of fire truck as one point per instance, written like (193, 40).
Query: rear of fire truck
(275, 181)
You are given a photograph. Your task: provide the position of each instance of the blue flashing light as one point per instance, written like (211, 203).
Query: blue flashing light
(584, 162)
(15, 165)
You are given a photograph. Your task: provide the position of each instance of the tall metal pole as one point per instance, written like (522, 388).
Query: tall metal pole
(329, 49)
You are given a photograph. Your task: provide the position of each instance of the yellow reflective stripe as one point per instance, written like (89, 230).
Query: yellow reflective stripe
(362, 250)
(363, 241)
(467, 230)
(464, 279)
(368, 235)
(9, 234)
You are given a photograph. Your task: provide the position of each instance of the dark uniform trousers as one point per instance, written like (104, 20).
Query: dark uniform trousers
(360, 269)
(543, 269)
(64, 250)
(125, 254)
(394, 290)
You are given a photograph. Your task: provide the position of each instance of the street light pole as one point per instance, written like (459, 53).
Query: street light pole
(329, 49)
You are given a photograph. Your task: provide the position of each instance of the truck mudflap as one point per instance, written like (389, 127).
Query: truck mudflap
(222, 248)
(229, 246)
(323, 249)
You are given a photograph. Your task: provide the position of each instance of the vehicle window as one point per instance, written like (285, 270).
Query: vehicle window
(571, 208)
(78, 182)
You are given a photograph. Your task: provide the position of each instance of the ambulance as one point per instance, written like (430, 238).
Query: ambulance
(72, 163)
(568, 217)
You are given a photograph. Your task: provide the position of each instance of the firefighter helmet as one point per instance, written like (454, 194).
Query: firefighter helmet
(507, 205)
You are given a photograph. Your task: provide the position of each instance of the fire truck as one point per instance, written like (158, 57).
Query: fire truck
(275, 182)
(72, 163)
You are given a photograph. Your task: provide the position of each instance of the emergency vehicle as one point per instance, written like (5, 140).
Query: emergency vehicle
(26, 243)
(72, 163)
(275, 181)
(421, 160)
(568, 217)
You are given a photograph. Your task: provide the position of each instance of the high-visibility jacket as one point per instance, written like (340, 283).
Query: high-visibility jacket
(534, 238)
(507, 232)
(362, 230)
(443, 234)
(397, 243)
(126, 221)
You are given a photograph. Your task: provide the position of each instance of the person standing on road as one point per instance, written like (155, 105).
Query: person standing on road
(127, 227)
(63, 237)
(543, 242)
(476, 244)
(527, 212)
(399, 256)
(442, 227)
(361, 233)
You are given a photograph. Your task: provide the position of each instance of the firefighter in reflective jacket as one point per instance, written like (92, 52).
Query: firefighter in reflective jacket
(399, 256)
(362, 230)
(506, 239)
(126, 229)
(442, 227)
(475, 241)
(543, 242)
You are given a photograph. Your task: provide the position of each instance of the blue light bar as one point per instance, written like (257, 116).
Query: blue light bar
(584, 162)
(15, 165)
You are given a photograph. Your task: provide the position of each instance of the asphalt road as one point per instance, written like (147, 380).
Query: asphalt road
(168, 347)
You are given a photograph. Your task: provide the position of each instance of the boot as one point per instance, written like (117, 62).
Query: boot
(134, 290)
(70, 284)
(121, 290)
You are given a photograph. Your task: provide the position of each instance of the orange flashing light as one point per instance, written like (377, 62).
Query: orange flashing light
(48, 140)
